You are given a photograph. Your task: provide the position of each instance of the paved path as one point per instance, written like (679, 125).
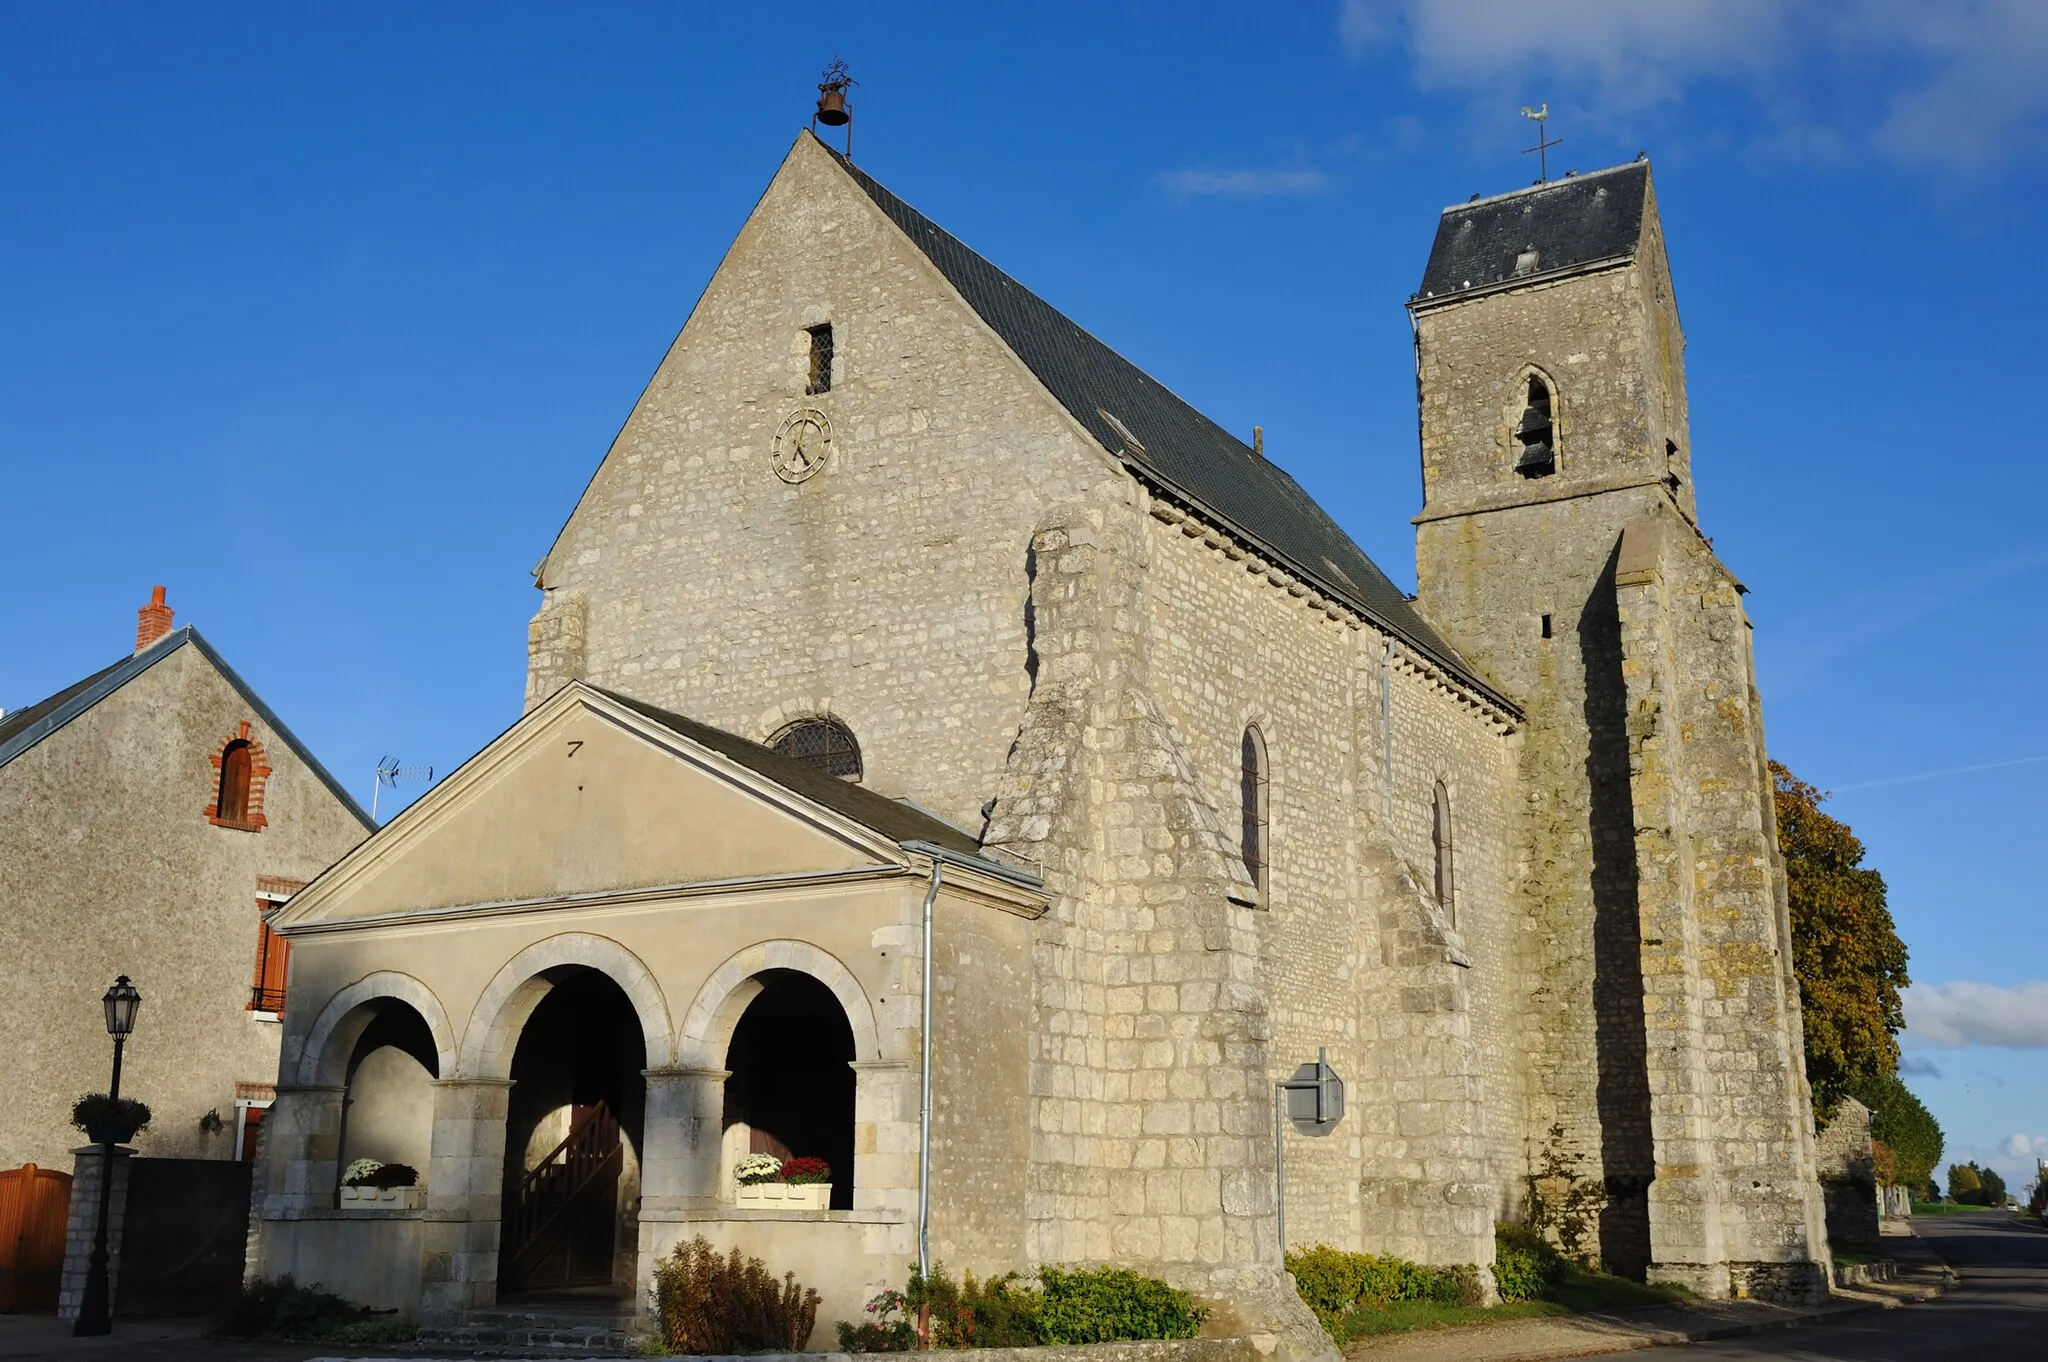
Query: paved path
(1998, 1311)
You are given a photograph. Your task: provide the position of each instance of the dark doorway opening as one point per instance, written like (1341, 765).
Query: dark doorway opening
(792, 1080)
(572, 1141)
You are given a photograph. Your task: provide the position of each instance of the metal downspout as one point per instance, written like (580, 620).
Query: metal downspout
(924, 1083)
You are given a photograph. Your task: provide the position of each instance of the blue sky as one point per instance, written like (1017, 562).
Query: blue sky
(322, 314)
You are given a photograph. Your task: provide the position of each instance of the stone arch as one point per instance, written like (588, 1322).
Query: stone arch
(324, 1054)
(509, 999)
(1517, 402)
(716, 1010)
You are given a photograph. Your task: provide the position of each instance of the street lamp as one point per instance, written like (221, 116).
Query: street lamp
(122, 1002)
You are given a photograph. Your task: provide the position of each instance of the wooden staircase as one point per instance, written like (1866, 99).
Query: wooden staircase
(574, 1186)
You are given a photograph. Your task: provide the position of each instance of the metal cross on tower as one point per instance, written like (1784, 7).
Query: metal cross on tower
(1543, 142)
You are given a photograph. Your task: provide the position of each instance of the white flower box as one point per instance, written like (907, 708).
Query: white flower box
(784, 1196)
(383, 1198)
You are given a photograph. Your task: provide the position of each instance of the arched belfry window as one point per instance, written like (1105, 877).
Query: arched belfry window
(1446, 865)
(825, 744)
(1536, 432)
(1253, 785)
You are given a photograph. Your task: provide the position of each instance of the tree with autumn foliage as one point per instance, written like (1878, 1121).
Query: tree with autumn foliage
(1848, 956)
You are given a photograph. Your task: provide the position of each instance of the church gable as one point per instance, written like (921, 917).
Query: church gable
(585, 796)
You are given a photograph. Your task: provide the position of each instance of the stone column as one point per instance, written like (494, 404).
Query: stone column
(87, 1164)
(301, 1140)
(885, 1136)
(679, 1159)
(465, 1194)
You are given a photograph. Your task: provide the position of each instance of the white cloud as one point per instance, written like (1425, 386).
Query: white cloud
(1958, 84)
(2019, 1146)
(1244, 184)
(1963, 1013)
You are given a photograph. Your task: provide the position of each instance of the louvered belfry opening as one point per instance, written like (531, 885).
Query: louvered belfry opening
(1536, 432)
(824, 744)
(572, 1140)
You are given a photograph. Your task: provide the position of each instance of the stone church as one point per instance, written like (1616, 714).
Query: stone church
(950, 755)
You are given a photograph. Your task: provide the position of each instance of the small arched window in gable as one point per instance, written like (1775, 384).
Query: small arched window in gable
(824, 744)
(1253, 787)
(1446, 864)
(235, 764)
(240, 773)
(1536, 433)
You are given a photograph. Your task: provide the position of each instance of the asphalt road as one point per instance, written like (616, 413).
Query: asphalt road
(1999, 1312)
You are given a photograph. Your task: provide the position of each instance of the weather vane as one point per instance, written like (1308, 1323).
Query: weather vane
(1543, 141)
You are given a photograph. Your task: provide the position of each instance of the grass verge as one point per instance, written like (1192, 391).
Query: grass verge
(1576, 1292)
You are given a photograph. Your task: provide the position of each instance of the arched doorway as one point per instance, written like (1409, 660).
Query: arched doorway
(791, 1088)
(573, 1140)
(388, 1111)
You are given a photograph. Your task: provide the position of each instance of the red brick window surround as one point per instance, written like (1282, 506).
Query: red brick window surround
(240, 772)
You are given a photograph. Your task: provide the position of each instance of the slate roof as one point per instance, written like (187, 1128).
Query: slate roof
(1569, 223)
(1185, 454)
(892, 818)
(26, 727)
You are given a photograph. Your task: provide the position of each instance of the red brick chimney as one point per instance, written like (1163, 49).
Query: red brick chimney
(152, 621)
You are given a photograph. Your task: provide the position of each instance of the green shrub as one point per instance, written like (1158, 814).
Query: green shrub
(1069, 1305)
(278, 1307)
(1524, 1263)
(1110, 1305)
(1334, 1283)
(732, 1304)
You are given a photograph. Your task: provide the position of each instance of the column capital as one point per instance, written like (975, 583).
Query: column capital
(465, 1082)
(717, 1075)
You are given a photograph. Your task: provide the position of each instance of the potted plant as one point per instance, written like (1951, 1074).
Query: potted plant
(109, 1120)
(807, 1184)
(367, 1184)
(760, 1179)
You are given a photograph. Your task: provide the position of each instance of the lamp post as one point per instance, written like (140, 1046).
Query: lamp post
(122, 1002)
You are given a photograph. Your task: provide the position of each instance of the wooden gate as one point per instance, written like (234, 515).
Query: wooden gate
(35, 1203)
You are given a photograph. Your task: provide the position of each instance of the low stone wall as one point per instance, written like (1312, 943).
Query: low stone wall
(1242, 1348)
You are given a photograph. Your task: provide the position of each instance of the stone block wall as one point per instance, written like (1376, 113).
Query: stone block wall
(81, 1227)
(1735, 1200)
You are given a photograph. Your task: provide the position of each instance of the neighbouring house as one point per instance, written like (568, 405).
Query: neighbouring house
(899, 587)
(150, 815)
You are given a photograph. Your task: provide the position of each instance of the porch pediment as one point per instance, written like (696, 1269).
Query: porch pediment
(591, 795)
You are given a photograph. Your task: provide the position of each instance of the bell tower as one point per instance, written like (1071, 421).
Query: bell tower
(1558, 550)
(1551, 371)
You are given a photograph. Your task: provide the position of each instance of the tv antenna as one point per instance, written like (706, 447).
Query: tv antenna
(389, 773)
(1544, 142)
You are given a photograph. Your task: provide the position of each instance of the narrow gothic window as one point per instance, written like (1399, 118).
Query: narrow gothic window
(233, 804)
(1536, 433)
(825, 744)
(1446, 870)
(821, 359)
(1252, 790)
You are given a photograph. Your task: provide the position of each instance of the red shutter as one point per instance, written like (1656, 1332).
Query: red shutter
(272, 954)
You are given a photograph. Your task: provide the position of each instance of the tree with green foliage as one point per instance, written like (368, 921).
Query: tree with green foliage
(1846, 952)
(1964, 1186)
(1904, 1126)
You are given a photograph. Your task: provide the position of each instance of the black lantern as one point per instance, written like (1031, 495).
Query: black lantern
(122, 1003)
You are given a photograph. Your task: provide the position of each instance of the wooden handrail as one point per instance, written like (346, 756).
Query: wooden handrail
(588, 1153)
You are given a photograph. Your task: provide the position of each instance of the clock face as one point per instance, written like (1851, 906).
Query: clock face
(802, 444)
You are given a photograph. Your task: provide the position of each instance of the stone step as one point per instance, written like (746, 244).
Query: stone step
(504, 1332)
